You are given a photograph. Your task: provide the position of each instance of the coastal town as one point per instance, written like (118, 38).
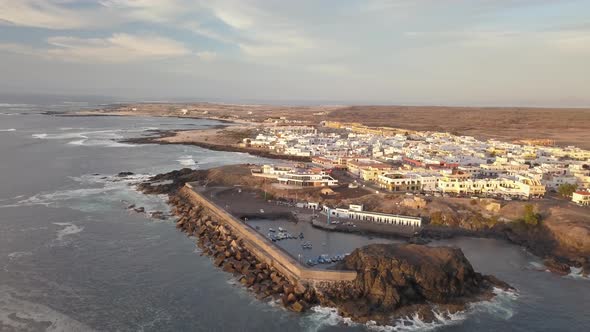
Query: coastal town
(430, 163)
(324, 199)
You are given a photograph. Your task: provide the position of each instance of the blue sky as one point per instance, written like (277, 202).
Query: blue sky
(443, 52)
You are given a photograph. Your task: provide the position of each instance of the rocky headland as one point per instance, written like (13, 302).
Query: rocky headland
(399, 280)
(392, 280)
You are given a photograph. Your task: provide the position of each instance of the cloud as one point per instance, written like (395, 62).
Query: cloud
(207, 55)
(120, 47)
(159, 11)
(38, 14)
(52, 14)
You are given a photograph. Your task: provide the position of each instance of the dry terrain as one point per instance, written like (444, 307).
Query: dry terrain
(565, 126)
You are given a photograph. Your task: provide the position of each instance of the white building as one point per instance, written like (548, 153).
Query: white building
(581, 198)
(355, 212)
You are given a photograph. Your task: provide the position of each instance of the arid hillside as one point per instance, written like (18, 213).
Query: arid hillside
(565, 126)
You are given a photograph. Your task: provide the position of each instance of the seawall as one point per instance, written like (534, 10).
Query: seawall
(265, 250)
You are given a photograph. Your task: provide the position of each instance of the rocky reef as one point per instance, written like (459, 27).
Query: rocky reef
(401, 280)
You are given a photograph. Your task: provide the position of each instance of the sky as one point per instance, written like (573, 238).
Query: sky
(413, 52)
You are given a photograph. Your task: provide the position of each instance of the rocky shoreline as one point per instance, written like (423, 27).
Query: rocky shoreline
(393, 281)
(401, 280)
(210, 146)
(229, 253)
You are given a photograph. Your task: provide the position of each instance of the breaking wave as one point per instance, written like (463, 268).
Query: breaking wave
(18, 254)
(321, 317)
(52, 199)
(501, 306)
(104, 138)
(99, 142)
(577, 273)
(7, 130)
(68, 229)
(98, 192)
(186, 161)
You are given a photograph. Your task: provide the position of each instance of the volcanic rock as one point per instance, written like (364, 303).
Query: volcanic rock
(391, 277)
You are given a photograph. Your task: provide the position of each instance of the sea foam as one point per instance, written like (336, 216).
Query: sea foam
(68, 229)
(501, 306)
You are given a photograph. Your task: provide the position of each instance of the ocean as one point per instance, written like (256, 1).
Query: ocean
(74, 258)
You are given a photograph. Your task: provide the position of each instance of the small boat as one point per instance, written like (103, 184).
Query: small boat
(271, 230)
(312, 262)
(281, 229)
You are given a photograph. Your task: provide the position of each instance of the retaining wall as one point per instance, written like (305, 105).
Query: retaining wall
(264, 249)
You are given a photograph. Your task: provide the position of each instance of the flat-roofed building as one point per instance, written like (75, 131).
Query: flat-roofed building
(399, 182)
(307, 179)
(356, 212)
(367, 169)
(581, 198)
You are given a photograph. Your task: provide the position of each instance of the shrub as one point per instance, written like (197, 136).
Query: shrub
(530, 217)
(566, 189)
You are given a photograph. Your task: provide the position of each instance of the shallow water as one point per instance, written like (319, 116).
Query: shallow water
(73, 258)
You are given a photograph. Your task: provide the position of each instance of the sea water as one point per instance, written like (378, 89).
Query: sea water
(74, 258)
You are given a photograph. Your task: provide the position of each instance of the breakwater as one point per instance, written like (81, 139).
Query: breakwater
(254, 260)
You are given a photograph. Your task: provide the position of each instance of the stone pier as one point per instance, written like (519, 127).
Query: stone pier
(265, 250)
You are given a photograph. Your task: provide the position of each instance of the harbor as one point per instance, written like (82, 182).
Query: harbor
(295, 229)
(318, 248)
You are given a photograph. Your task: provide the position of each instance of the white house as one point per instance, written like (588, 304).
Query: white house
(581, 198)
(355, 212)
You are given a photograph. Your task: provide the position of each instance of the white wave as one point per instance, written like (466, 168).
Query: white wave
(99, 142)
(7, 130)
(18, 254)
(69, 229)
(14, 105)
(501, 306)
(577, 273)
(321, 317)
(537, 266)
(103, 138)
(186, 161)
(50, 199)
(111, 179)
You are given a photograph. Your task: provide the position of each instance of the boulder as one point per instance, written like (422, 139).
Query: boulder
(393, 276)
(557, 267)
(218, 261)
(297, 307)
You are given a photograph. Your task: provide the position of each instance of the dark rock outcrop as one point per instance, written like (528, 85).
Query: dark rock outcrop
(124, 174)
(176, 180)
(394, 278)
